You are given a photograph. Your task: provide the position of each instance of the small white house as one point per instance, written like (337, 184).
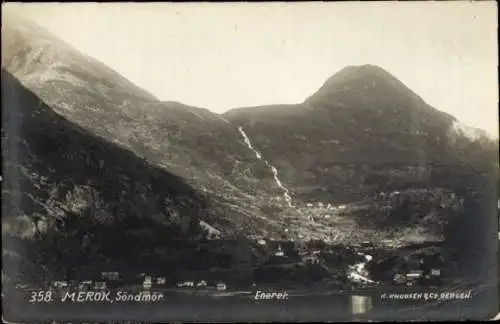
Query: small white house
(186, 284)
(221, 286)
(202, 283)
(399, 278)
(60, 284)
(309, 205)
(414, 274)
(147, 283)
(435, 272)
(279, 253)
(100, 285)
(85, 285)
(161, 280)
(261, 242)
(110, 275)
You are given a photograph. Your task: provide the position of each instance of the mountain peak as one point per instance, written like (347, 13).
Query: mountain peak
(352, 84)
(366, 72)
(367, 68)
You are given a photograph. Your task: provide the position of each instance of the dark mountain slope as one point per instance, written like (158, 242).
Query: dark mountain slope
(60, 182)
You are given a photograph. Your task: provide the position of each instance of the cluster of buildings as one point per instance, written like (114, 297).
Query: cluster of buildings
(220, 286)
(437, 197)
(83, 285)
(150, 281)
(328, 206)
(146, 282)
(425, 269)
(101, 282)
(413, 277)
(422, 268)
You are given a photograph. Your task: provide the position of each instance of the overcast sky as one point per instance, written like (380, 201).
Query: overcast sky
(221, 56)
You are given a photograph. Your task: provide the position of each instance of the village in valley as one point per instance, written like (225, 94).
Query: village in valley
(297, 262)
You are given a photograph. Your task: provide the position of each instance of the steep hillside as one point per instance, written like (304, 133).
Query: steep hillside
(62, 182)
(202, 148)
(364, 131)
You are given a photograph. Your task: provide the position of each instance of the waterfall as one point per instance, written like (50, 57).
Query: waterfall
(286, 194)
(357, 272)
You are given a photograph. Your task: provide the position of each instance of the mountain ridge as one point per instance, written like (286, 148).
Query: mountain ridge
(14, 22)
(20, 33)
(388, 138)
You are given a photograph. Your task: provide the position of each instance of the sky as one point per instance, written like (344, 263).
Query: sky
(226, 55)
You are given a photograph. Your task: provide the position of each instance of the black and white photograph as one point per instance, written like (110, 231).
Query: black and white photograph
(250, 162)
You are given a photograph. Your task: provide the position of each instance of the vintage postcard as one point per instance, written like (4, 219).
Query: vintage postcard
(239, 162)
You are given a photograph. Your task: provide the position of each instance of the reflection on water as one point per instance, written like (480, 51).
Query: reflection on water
(360, 304)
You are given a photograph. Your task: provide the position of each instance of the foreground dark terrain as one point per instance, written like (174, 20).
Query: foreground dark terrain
(359, 183)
